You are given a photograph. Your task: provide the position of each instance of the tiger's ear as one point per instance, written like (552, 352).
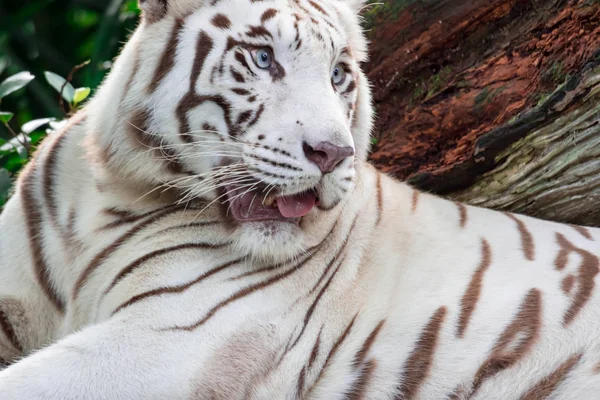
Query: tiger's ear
(153, 10)
(349, 13)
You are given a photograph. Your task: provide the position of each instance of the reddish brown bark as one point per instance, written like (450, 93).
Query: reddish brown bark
(446, 73)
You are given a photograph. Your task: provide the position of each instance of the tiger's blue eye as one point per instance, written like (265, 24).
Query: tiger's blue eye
(338, 75)
(263, 58)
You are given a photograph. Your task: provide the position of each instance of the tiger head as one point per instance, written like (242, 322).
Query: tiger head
(259, 105)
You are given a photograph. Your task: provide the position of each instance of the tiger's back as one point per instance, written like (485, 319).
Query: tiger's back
(118, 249)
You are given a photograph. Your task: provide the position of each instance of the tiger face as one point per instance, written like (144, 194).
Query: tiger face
(259, 106)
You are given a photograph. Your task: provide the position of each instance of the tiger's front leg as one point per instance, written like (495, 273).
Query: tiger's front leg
(111, 361)
(25, 325)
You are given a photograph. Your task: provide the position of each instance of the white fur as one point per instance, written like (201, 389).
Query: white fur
(382, 254)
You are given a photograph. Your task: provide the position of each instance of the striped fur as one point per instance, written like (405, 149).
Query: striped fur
(122, 275)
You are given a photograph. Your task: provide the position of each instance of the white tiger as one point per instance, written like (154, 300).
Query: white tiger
(208, 228)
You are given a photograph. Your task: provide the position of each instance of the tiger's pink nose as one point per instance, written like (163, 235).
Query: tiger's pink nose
(327, 156)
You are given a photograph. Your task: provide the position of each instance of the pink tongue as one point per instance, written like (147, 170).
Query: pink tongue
(296, 206)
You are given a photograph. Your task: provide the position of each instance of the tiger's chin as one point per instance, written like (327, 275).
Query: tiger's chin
(270, 240)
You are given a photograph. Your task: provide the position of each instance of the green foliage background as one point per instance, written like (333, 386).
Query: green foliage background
(53, 35)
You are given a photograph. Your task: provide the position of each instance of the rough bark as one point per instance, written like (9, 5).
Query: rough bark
(553, 172)
(492, 102)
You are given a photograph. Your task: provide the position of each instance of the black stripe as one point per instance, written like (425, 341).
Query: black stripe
(9, 331)
(239, 56)
(333, 351)
(175, 289)
(275, 163)
(101, 257)
(312, 307)
(48, 181)
(337, 256)
(248, 290)
(34, 221)
(125, 217)
(157, 253)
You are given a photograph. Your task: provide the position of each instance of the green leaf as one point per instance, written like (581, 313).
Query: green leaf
(15, 163)
(57, 82)
(81, 94)
(5, 117)
(5, 148)
(130, 6)
(36, 137)
(56, 126)
(15, 147)
(35, 124)
(14, 83)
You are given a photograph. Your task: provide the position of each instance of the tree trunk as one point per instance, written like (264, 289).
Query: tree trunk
(492, 102)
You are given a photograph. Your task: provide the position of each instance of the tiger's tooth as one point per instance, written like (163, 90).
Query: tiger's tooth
(269, 200)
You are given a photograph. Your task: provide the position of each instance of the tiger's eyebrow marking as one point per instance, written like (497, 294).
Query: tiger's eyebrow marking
(258, 31)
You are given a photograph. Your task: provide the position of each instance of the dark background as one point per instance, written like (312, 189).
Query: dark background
(56, 35)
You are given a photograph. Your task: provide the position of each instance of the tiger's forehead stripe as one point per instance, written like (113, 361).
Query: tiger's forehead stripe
(268, 15)
(221, 21)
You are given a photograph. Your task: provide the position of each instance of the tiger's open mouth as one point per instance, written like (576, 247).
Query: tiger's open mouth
(260, 205)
